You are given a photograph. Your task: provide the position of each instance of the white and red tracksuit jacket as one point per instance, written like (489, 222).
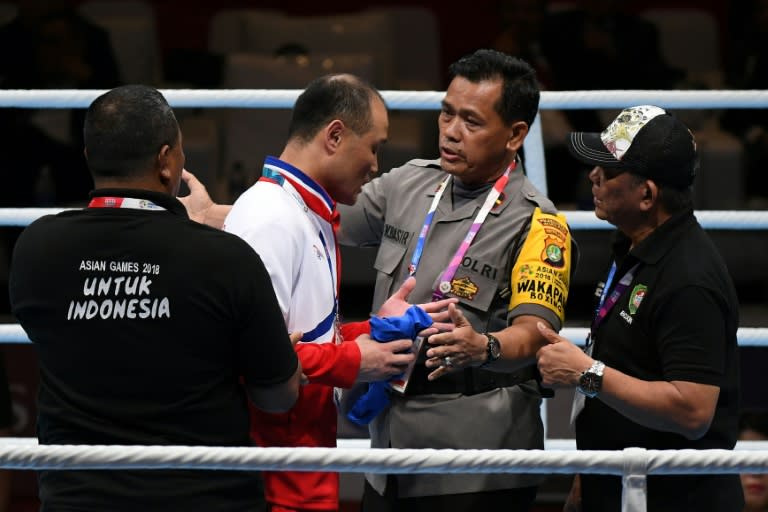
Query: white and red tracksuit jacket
(289, 220)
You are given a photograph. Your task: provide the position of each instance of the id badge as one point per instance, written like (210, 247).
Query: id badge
(579, 400)
(400, 383)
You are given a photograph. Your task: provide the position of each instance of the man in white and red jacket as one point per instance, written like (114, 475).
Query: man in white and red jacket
(289, 217)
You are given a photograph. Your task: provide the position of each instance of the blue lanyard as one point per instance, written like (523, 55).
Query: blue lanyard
(275, 176)
(607, 301)
(329, 320)
(606, 287)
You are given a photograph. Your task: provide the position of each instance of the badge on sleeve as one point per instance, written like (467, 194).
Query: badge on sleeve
(542, 270)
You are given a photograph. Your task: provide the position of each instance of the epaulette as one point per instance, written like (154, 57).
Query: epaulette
(533, 195)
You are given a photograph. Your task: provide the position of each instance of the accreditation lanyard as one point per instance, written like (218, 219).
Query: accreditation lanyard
(124, 202)
(444, 285)
(307, 193)
(607, 301)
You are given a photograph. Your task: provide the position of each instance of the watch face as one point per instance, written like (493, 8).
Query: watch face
(494, 348)
(590, 383)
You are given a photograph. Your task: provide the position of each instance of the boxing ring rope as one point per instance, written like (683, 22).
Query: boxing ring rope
(15, 454)
(396, 100)
(577, 219)
(632, 463)
(748, 336)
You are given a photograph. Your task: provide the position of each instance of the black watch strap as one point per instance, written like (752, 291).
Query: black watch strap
(493, 349)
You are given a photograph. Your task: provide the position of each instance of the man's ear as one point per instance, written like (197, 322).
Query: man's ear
(650, 193)
(163, 163)
(517, 133)
(334, 133)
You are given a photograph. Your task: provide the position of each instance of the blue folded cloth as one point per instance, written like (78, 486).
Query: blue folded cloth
(376, 399)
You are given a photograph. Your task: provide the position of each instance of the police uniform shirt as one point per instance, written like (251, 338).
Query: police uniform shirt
(677, 320)
(389, 213)
(144, 323)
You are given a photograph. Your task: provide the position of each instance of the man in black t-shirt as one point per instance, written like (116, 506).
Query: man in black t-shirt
(151, 329)
(661, 369)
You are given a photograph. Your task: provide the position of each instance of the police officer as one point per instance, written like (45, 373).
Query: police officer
(471, 226)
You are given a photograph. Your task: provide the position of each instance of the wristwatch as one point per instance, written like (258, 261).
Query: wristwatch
(493, 349)
(591, 381)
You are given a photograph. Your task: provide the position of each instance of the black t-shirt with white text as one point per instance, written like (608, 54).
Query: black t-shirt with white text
(145, 323)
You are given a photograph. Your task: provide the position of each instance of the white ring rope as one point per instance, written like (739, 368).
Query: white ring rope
(577, 219)
(709, 219)
(747, 336)
(30, 456)
(402, 100)
(24, 216)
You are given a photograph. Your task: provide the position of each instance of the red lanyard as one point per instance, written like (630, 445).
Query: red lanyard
(124, 202)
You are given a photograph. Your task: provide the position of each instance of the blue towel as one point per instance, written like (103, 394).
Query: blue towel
(376, 399)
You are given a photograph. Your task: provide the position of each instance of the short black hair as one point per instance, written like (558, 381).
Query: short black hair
(125, 129)
(672, 198)
(520, 90)
(339, 96)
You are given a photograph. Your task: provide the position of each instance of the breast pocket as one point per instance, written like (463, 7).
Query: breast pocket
(474, 291)
(388, 260)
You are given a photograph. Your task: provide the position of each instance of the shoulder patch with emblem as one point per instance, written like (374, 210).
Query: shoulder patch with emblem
(541, 273)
